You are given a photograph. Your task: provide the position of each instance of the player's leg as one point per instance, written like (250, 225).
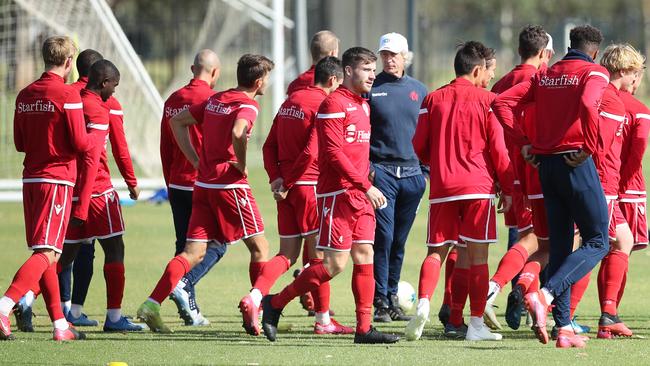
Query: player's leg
(82, 273)
(445, 308)
(64, 270)
(181, 205)
(456, 327)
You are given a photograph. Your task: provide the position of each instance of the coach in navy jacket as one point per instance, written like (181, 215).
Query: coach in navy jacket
(395, 101)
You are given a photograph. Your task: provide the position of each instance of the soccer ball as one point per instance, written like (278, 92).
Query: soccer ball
(406, 296)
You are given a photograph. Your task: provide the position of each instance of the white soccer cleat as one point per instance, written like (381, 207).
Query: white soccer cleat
(489, 316)
(415, 327)
(481, 333)
(198, 320)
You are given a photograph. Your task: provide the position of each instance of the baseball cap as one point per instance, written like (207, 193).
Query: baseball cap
(549, 45)
(393, 42)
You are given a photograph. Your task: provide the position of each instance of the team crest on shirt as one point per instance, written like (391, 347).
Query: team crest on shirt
(58, 209)
(243, 201)
(111, 196)
(413, 95)
(352, 134)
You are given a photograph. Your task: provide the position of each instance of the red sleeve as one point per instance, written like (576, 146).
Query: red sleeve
(18, 130)
(332, 120)
(589, 102)
(421, 136)
(247, 112)
(305, 159)
(508, 103)
(73, 109)
(638, 141)
(87, 172)
(119, 146)
(166, 148)
(270, 153)
(499, 154)
(197, 110)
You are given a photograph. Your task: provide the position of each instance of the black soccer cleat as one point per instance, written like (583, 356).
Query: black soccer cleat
(514, 307)
(396, 313)
(270, 318)
(24, 318)
(375, 337)
(444, 314)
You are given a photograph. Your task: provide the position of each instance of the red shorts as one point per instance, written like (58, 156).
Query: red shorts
(47, 210)
(616, 217)
(297, 214)
(346, 218)
(224, 215)
(104, 220)
(540, 221)
(472, 220)
(633, 209)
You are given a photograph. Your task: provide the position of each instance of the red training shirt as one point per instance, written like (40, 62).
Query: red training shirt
(610, 140)
(303, 81)
(635, 141)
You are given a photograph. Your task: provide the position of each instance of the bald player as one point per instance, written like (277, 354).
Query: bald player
(322, 44)
(180, 176)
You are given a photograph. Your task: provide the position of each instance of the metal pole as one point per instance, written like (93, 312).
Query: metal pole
(278, 53)
(301, 35)
(411, 32)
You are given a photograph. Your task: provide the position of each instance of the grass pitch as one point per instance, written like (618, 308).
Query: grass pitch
(150, 244)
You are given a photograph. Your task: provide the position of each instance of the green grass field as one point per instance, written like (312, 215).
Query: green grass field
(149, 241)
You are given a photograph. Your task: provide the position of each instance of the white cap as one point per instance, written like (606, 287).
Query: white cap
(549, 45)
(393, 42)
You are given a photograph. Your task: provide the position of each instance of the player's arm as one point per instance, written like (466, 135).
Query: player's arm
(507, 103)
(73, 109)
(593, 89)
(18, 130)
(307, 156)
(120, 150)
(180, 124)
(638, 141)
(270, 157)
(88, 165)
(166, 148)
(421, 136)
(499, 155)
(239, 144)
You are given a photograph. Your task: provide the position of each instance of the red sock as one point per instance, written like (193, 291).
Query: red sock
(176, 269)
(305, 254)
(511, 264)
(622, 289)
(615, 269)
(114, 277)
(529, 275)
(429, 274)
(363, 288)
(28, 276)
(459, 292)
(270, 273)
(310, 278)
(449, 269)
(600, 281)
(50, 285)
(577, 291)
(479, 283)
(321, 295)
(254, 271)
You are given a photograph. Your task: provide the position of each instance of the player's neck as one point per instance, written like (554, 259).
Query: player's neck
(57, 70)
(533, 61)
(250, 92)
(94, 91)
(348, 85)
(617, 83)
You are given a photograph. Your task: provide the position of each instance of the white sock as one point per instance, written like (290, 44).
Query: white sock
(28, 299)
(476, 321)
(567, 327)
(60, 324)
(180, 284)
(323, 318)
(257, 297)
(423, 307)
(76, 310)
(65, 306)
(493, 291)
(153, 301)
(114, 314)
(547, 296)
(6, 304)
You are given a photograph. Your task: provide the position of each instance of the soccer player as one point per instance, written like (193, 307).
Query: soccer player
(290, 154)
(180, 176)
(394, 100)
(49, 128)
(96, 211)
(346, 200)
(223, 207)
(566, 98)
(461, 141)
(624, 64)
(323, 44)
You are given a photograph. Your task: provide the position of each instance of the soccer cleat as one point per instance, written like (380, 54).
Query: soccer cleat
(122, 325)
(24, 316)
(538, 309)
(307, 302)
(5, 328)
(250, 315)
(610, 326)
(199, 320)
(415, 327)
(333, 327)
(454, 332)
(489, 316)
(382, 315)
(81, 321)
(181, 298)
(396, 313)
(270, 318)
(69, 334)
(568, 339)
(149, 313)
(373, 336)
(514, 307)
(444, 314)
(481, 333)
(579, 328)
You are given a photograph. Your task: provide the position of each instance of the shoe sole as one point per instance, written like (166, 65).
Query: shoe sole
(147, 318)
(251, 330)
(513, 312)
(540, 331)
(490, 319)
(414, 332)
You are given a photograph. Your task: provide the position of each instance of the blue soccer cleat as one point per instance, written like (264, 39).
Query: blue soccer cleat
(81, 321)
(122, 325)
(578, 328)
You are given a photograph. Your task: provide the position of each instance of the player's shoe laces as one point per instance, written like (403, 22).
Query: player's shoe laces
(396, 313)
(23, 314)
(538, 309)
(481, 333)
(454, 332)
(333, 327)
(81, 321)
(181, 298)
(250, 315)
(270, 318)
(568, 339)
(373, 336)
(122, 325)
(610, 326)
(579, 328)
(69, 334)
(5, 328)
(149, 313)
(444, 314)
(514, 307)
(415, 327)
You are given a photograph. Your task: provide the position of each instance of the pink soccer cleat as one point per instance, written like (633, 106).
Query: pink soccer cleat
(538, 309)
(568, 339)
(5, 328)
(333, 327)
(250, 315)
(70, 334)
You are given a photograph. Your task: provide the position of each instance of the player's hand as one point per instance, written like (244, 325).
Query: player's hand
(239, 166)
(276, 184)
(280, 194)
(376, 198)
(371, 176)
(530, 158)
(504, 204)
(76, 222)
(576, 158)
(134, 192)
